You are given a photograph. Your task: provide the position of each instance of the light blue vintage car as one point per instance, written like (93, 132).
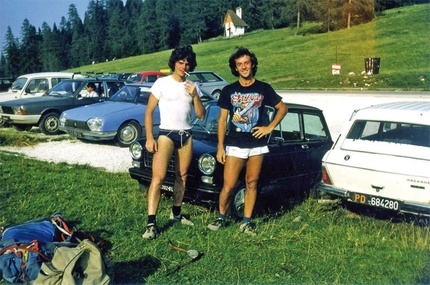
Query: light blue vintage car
(120, 118)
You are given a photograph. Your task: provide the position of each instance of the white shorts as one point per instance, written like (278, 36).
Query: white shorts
(244, 153)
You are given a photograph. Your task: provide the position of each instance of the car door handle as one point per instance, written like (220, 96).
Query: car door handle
(305, 146)
(377, 188)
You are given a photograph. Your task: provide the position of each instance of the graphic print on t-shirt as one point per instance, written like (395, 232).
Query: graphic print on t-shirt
(245, 109)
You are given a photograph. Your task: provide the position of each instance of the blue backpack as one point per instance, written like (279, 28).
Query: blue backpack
(24, 247)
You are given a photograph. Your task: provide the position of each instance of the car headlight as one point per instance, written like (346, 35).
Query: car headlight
(207, 164)
(18, 110)
(95, 124)
(63, 119)
(136, 150)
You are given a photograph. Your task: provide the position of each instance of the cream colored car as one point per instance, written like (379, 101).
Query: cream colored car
(382, 158)
(35, 84)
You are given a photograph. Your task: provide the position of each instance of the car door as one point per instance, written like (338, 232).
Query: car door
(81, 98)
(284, 164)
(36, 87)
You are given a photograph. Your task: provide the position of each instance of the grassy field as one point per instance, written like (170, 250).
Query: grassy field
(311, 243)
(400, 39)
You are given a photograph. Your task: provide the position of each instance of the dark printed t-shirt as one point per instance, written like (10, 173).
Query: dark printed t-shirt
(246, 109)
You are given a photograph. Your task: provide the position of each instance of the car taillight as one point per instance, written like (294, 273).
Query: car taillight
(325, 177)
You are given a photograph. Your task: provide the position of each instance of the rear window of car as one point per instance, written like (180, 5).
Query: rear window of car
(390, 132)
(210, 77)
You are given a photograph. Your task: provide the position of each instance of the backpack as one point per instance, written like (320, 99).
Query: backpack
(83, 264)
(25, 247)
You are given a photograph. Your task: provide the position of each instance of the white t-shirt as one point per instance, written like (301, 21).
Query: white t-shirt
(174, 102)
(93, 94)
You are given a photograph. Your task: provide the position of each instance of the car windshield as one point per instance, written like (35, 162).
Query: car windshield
(19, 84)
(135, 78)
(132, 94)
(66, 88)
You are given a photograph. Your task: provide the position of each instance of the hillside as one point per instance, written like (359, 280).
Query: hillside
(400, 38)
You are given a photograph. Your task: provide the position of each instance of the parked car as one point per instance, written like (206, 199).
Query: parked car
(123, 76)
(145, 76)
(5, 83)
(382, 159)
(44, 111)
(208, 81)
(35, 84)
(120, 118)
(291, 169)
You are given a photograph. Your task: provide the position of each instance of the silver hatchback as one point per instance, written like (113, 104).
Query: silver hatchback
(208, 81)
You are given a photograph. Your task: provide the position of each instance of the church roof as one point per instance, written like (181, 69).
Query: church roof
(238, 22)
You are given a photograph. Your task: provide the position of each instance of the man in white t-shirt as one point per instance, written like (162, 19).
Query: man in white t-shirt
(176, 97)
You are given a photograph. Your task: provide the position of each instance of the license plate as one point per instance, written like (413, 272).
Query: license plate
(374, 201)
(167, 188)
(75, 134)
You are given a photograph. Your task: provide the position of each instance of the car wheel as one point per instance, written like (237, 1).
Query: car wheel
(50, 123)
(128, 133)
(22, 127)
(238, 202)
(216, 94)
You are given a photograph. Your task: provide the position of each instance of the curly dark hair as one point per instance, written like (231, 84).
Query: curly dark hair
(183, 52)
(242, 51)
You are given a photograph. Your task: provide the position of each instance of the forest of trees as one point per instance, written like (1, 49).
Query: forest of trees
(111, 30)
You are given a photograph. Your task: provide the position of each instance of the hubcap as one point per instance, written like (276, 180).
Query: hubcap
(51, 124)
(128, 134)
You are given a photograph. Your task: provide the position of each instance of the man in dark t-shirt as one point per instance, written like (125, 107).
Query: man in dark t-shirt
(242, 107)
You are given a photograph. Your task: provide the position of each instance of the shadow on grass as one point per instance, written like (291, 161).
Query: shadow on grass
(135, 272)
(273, 208)
(382, 214)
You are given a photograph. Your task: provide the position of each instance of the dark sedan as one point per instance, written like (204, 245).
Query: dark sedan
(44, 111)
(291, 169)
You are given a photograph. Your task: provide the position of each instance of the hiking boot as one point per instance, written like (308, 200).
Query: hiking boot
(151, 232)
(246, 228)
(180, 219)
(217, 224)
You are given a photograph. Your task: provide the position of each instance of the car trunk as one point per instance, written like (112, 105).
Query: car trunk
(391, 175)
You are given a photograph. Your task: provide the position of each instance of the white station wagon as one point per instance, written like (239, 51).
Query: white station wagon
(382, 158)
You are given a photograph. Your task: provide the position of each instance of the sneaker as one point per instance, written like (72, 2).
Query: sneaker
(151, 232)
(246, 228)
(217, 224)
(180, 219)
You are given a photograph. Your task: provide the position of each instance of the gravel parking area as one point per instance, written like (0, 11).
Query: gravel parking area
(337, 108)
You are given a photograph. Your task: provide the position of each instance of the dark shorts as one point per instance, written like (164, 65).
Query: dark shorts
(179, 138)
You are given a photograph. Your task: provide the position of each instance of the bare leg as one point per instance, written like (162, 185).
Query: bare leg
(182, 163)
(232, 167)
(253, 168)
(159, 169)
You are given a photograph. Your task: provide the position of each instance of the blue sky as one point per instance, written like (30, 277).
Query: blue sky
(13, 13)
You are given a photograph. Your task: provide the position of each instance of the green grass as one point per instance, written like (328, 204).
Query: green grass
(328, 245)
(11, 137)
(400, 38)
